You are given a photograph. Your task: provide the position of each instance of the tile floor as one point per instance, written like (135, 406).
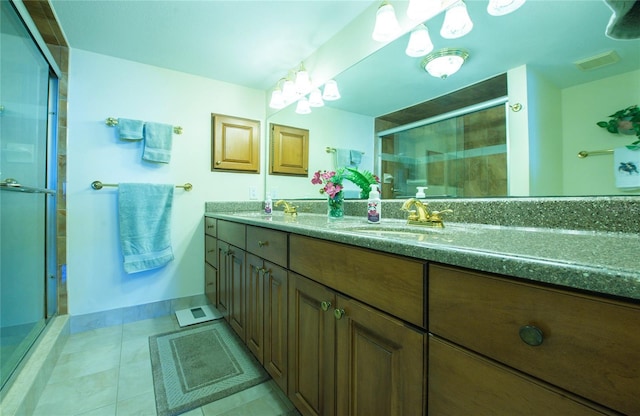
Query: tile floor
(107, 371)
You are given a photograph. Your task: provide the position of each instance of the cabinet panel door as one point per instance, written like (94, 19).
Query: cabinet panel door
(380, 363)
(275, 323)
(311, 347)
(462, 383)
(211, 250)
(224, 286)
(289, 150)
(255, 306)
(211, 283)
(236, 143)
(236, 273)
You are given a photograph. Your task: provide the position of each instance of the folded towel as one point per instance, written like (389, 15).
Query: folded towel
(130, 129)
(625, 21)
(157, 142)
(627, 167)
(356, 157)
(145, 225)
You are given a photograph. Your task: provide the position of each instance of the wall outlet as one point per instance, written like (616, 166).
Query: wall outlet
(253, 193)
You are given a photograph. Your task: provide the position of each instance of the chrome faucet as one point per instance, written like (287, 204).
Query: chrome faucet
(420, 215)
(288, 208)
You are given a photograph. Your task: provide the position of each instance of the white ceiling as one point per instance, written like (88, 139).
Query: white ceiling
(255, 43)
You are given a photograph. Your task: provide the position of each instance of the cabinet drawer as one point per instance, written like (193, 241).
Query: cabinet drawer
(590, 345)
(232, 232)
(391, 283)
(211, 250)
(463, 383)
(268, 244)
(210, 226)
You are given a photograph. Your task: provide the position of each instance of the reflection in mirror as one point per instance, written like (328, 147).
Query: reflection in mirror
(538, 47)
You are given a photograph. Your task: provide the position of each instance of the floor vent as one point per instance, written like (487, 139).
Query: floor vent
(197, 315)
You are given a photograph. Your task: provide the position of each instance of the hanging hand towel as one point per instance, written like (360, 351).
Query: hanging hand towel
(625, 21)
(145, 225)
(130, 129)
(157, 142)
(356, 157)
(346, 157)
(626, 168)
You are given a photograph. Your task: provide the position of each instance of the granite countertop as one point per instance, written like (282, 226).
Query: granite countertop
(595, 261)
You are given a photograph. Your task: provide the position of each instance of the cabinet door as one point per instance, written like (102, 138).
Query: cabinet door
(255, 306)
(275, 323)
(236, 143)
(311, 347)
(236, 279)
(289, 150)
(224, 286)
(463, 383)
(211, 283)
(380, 363)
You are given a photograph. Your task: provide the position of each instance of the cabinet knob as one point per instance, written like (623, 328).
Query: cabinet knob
(325, 305)
(262, 243)
(218, 162)
(338, 313)
(531, 335)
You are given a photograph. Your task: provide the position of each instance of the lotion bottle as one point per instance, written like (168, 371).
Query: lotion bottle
(267, 204)
(374, 205)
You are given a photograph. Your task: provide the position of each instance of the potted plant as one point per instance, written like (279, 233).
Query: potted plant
(626, 121)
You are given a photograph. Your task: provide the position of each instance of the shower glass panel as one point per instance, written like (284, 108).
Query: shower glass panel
(26, 202)
(462, 156)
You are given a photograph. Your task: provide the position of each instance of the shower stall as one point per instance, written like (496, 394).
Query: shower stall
(28, 96)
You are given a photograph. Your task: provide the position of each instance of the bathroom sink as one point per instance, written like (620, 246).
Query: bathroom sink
(401, 231)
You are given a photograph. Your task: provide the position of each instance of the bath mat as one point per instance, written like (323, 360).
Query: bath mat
(198, 365)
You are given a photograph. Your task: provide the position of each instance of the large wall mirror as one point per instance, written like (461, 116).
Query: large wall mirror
(538, 47)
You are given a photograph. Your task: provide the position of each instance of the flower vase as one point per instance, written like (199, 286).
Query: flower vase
(335, 206)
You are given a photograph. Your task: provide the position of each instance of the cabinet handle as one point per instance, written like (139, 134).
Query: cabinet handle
(262, 243)
(218, 162)
(531, 335)
(325, 305)
(338, 313)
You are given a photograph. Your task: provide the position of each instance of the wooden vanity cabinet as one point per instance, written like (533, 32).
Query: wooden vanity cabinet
(354, 357)
(231, 274)
(266, 300)
(211, 261)
(588, 346)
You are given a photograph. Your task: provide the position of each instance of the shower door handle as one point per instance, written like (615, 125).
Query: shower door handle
(13, 185)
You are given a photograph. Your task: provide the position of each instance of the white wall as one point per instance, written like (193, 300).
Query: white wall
(582, 107)
(101, 87)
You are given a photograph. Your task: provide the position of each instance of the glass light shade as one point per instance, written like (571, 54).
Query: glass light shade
(445, 62)
(502, 7)
(289, 90)
(315, 98)
(387, 26)
(419, 42)
(303, 84)
(331, 92)
(303, 106)
(421, 10)
(457, 22)
(277, 100)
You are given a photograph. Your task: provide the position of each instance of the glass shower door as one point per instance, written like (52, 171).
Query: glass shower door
(25, 200)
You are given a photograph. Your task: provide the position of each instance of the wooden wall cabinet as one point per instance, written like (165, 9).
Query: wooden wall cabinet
(235, 144)
(289, 150)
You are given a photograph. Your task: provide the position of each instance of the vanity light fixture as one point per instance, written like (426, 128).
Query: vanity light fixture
(419, 42)
(289, 90)
(387, 26)
(502, 7)
(444, 62)
(331, 92)
(303, 106)
(302, 83)
(277, 100)
(457, 22)
(315, 98)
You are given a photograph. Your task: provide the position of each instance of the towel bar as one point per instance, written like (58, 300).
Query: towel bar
(97, 185)
(333, 150)
(112, 121)
(584, 153)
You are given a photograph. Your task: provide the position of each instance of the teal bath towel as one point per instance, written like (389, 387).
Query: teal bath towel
(145, 225)
(130, 129)
(157, 142)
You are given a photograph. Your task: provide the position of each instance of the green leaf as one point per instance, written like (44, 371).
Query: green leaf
(362, 179)
(602, 124)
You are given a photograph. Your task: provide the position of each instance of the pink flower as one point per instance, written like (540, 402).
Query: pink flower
(331, 189)
(316, 179)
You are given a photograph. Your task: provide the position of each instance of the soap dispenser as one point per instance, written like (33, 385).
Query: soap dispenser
(420, 193)
(267, 204)
(374, 205)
